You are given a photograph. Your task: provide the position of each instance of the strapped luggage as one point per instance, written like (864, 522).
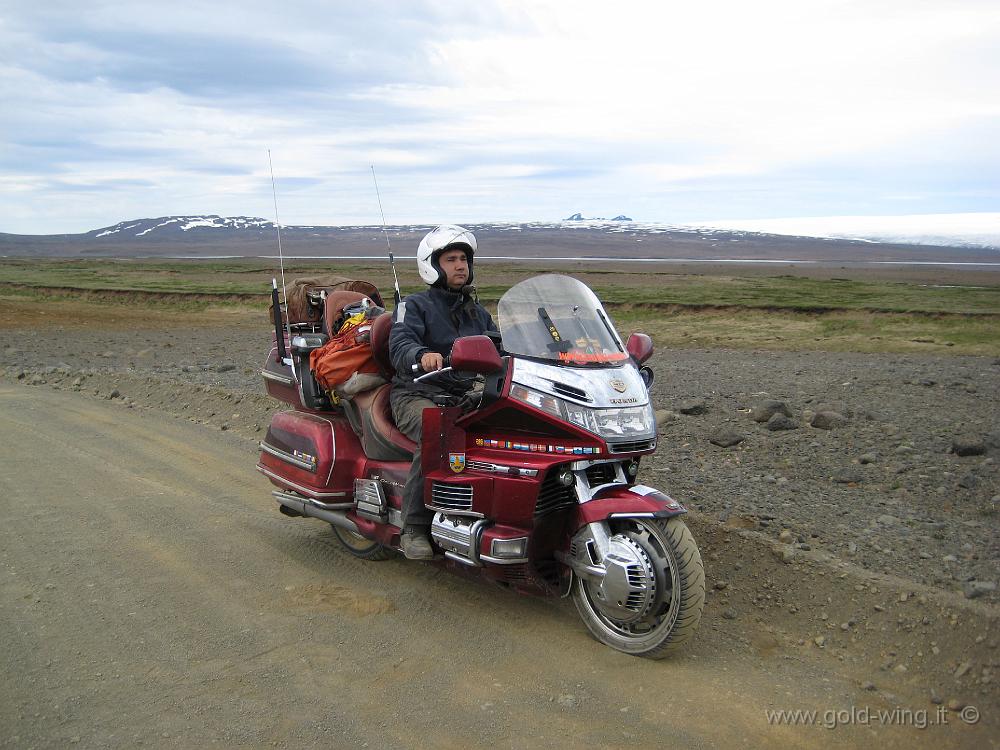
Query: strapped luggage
(304, 297)
(344, 366)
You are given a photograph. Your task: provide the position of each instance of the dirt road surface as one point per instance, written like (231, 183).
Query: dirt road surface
(150, 594)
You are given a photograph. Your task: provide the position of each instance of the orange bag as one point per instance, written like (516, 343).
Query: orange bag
(347, 353)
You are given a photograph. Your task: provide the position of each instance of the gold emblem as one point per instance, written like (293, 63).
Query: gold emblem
(618, 385)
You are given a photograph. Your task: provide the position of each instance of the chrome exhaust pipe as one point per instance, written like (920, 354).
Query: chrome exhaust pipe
(336, 515)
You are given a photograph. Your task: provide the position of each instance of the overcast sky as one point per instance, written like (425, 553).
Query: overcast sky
(514, 110)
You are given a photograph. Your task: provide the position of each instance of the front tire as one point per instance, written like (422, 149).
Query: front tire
(662, 596)
(360, 546)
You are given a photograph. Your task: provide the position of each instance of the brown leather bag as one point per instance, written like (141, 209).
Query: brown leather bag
(302, 296)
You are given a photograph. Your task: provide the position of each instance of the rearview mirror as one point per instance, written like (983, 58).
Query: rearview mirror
(640, 347)
(475, 354)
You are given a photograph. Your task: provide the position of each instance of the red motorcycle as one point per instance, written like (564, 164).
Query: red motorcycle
(532, 479)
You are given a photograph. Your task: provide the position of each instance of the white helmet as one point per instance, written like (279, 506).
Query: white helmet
(434, 243)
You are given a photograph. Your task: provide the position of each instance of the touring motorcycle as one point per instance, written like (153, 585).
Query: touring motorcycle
(532, 480)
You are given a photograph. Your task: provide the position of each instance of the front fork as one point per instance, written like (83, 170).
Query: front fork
(588, 550)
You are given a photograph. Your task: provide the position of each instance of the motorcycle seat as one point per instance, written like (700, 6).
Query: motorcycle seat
(380, 437)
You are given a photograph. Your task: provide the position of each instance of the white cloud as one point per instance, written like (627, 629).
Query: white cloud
(515, 109)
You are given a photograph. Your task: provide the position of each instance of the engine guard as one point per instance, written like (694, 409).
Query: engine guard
(637, 501)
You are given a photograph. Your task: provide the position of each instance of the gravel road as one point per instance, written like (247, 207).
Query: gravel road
(151, 595)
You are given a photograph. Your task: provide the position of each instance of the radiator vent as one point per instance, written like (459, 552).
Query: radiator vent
(451, 498)
(632, 446)
(554, 495)
(598, 474)
(567, 390)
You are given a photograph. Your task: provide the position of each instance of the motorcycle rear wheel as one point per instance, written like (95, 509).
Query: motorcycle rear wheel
(673, 564)
(360, 546)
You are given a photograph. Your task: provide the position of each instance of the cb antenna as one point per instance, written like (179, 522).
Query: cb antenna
(281, 266)
(392, 262)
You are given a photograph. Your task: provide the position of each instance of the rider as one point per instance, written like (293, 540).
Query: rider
(425, 325)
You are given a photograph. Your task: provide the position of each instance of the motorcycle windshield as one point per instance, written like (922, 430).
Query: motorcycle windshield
(558, 318)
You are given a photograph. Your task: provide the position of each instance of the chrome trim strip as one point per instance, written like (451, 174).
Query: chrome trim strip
(503, 560)
(458, 558)
(332, 506)
(665, 513)
(454, 511)
(288, 457)
(299, 487)
(283, 379)
(333, 443)
(487, 467)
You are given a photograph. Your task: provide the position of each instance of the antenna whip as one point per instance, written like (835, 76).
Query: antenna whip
(281, 259)
(392, 261)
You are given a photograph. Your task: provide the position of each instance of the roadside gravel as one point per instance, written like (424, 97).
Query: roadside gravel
(882, 486)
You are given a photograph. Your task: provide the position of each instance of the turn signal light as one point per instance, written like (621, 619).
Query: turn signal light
(510, 548)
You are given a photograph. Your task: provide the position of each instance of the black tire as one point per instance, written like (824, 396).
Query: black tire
(360, 546)
(674, 561)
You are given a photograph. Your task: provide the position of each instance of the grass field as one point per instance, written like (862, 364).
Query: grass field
(679, 310)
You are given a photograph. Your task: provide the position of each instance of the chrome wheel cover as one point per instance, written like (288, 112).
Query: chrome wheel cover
(637, 597)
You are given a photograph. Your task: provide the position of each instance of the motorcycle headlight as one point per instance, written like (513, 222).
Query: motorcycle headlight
(635, 421)
(611, 424)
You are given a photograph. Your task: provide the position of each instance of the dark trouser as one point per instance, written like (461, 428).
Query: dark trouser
(408, 412)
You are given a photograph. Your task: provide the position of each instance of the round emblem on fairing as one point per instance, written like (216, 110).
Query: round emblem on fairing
(618, 385)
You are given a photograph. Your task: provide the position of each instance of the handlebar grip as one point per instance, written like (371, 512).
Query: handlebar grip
(416, 368)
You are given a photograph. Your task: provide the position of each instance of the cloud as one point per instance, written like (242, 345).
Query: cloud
(496, 110)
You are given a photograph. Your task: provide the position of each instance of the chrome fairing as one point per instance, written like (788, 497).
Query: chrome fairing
(609, 402)
(595, 387)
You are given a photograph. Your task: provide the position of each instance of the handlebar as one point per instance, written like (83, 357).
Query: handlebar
(417, 368)
(432, 374)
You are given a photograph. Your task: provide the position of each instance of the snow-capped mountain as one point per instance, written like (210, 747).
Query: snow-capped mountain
(954, 230)
(581, 217)
(576, 237)
(170, 224)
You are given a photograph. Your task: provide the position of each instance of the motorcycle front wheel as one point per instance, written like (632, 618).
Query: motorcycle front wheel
(650, 602)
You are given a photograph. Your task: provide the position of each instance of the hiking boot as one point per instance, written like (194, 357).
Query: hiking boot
(416, 545)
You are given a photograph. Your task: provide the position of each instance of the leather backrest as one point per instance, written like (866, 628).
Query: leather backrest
(380, 345)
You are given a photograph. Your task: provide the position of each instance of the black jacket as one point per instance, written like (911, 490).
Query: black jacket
(430, 321)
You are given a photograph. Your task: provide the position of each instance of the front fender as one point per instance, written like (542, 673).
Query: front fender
(636, 501)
